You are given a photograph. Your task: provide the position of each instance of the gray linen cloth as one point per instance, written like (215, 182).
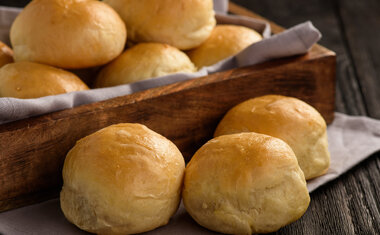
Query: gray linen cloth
(351, 140)
(221, 6)
(294, 41)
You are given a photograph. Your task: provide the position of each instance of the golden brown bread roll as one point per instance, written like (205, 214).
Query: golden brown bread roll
(32, 80)
(289, 119)
(122, 179)
(245, 183)
(6, 54)
(68, 34)
(144, 61)
(224, 41)
(184, 24)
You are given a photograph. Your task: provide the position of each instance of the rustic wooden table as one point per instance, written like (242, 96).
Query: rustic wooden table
(350, 204)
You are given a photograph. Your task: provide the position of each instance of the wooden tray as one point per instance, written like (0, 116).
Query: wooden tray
(32, 151)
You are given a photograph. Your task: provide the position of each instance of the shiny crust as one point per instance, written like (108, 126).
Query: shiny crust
(245, 183)
(224, 41)
(144, 61)
(290, 119)
(68, 33)
(6, 54)
(123, 179)
(32, 80)
(184, 24)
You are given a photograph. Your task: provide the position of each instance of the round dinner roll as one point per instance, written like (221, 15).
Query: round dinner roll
(184, 24)
(245, 183)
(289, 119)
(6, 54)
(26, 80)
(123, 179)
(69, 34)
(224, 41)
(144, 61)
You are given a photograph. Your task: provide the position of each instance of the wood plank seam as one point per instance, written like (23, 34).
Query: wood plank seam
(349, 53)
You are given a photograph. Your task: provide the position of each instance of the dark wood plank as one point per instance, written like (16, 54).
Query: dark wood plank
(350, 204)
(322, 13)
(356, 20)
(361, 20)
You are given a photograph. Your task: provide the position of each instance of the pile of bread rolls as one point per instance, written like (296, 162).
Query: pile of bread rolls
(89, 38)
(251, 178)
(126, 178)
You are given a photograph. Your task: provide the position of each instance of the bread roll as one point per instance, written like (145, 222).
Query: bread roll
(27, 80)
(224, 41)
(290, 119)
(122, 179)
(144, 61)
(6, 54)
(68, 34)
(184, 24)
(245, 183)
